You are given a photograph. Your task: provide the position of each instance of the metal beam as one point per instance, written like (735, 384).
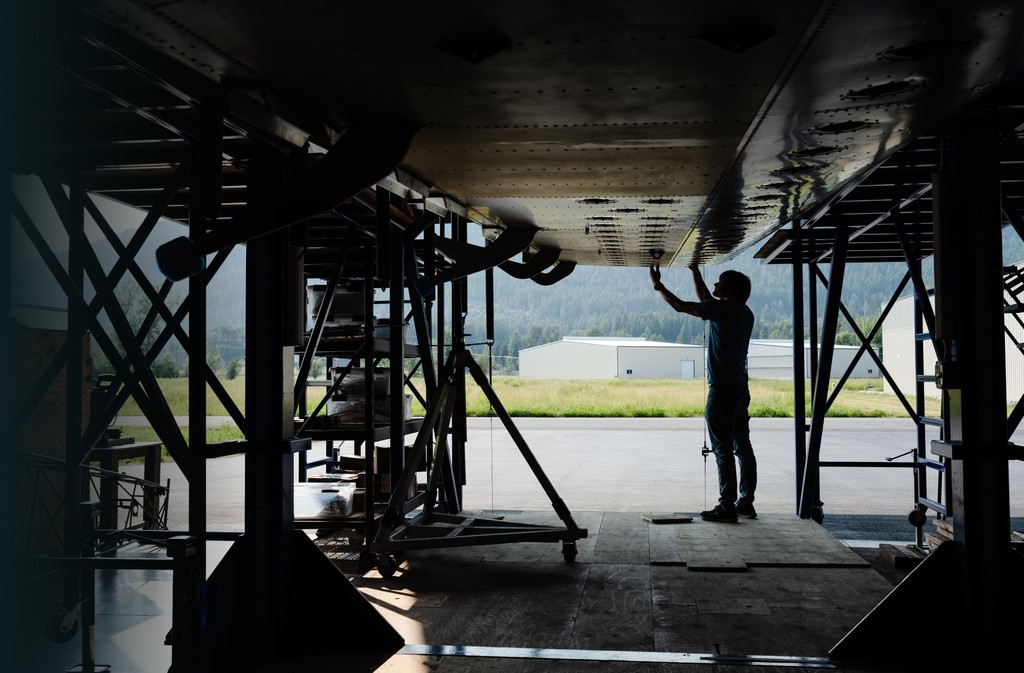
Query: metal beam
(810, 505)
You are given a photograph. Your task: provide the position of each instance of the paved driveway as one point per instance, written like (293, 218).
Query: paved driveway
(638, 465)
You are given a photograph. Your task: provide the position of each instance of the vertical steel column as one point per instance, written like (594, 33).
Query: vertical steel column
(810, 503)
(440, 320)
(204, 205)
(440, 325)
(440, 302)
(799, 374)
(370, 271)
(812, 311)
(73, 452)
(269, 479)
(88, 513)
(459, 308)
(971, 370)
(805, 504)
(920, 448)
(186, 620)
(489, 305)
(396, 348)
(977, 575)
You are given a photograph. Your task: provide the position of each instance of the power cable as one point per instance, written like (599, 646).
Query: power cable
(704, 451)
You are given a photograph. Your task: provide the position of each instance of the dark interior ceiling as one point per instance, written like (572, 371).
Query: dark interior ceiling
(613, 129)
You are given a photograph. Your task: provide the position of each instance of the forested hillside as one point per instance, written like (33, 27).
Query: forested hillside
(608, 301)
(592, 301)
(603, 301)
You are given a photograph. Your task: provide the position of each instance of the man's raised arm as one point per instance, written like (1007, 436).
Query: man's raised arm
(699, 286)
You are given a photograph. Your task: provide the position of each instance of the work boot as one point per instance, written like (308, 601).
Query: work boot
(746, 511)
(720, 514)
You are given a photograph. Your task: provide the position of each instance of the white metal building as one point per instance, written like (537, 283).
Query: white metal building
(611, 358)
(773, 359)
(637, 358)
(898, 339)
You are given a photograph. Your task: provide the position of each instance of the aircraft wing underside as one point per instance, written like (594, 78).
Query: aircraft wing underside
(619, 133)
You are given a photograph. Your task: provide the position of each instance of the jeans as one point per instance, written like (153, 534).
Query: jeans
(728, 422)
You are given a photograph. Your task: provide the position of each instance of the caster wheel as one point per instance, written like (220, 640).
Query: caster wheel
(386, 565)
(60, 627)
(366, 562)
(917, 517)
(569, 551)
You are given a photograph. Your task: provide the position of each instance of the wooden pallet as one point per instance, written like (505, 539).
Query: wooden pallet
(901, 557)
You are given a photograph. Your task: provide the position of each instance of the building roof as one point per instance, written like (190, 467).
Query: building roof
(616, 342)
(788, 343)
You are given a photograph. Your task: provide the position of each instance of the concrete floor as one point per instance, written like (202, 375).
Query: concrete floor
(640, 597)
(647, 597)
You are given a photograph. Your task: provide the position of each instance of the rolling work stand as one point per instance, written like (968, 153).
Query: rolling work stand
(414, 522)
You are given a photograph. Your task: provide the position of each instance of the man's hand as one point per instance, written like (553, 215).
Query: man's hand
(655, 274)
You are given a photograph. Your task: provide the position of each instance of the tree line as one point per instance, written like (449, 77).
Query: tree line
(612, 302)
(592, 301)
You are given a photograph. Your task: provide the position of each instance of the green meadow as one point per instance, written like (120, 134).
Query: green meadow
(589, 398)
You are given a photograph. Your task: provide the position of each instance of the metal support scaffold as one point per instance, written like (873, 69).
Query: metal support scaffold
(413, 523)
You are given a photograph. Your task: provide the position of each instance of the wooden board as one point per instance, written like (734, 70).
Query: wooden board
(715, 561)
(667, 518)
(900, 557)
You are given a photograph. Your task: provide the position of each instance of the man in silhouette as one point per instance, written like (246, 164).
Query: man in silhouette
(728, 399)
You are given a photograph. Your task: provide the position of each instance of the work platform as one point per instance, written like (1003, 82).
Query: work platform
(778, 591)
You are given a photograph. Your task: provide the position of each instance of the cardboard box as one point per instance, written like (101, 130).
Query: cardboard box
(347, 308)
(353, 382)
(313, 500)
(353, 409)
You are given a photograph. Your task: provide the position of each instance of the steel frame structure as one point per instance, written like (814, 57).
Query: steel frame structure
(964, 174)
(149, 133)
(174, 152)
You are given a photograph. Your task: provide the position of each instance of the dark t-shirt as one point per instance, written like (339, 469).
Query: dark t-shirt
(731, 324)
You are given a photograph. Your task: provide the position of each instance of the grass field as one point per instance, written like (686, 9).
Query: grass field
(660, 398)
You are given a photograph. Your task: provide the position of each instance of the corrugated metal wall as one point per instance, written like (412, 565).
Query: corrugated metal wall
(774, 360)
(567, 360)
(898, 339)
(574, 358)
(646, 362)
(577, 358)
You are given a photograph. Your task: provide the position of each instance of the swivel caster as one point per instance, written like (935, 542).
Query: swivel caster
(569, 551)
(917, 516)
(61, 626)
(366, 562)
(386, 565)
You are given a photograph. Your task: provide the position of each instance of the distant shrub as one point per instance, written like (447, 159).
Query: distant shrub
(234, 369)
(164, 367)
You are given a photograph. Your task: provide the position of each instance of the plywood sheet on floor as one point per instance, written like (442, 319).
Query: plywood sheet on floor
(623, 538)
(631, 589)
(773, 539)
(615, 609)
